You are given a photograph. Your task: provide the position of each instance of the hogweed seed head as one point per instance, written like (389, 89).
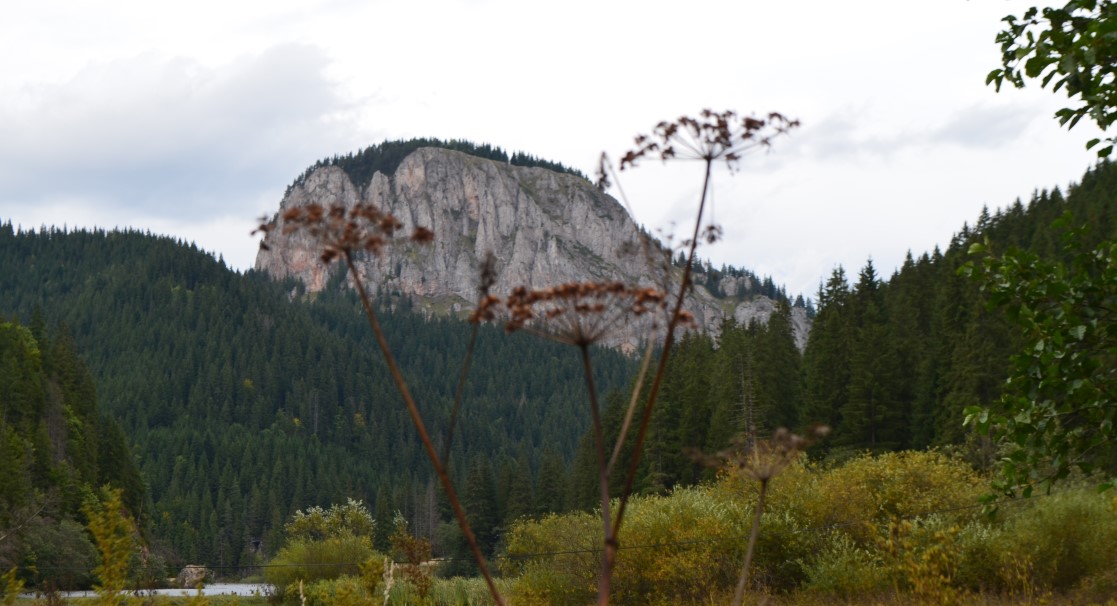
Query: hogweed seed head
(344, 231)
(576, 313)
(709, 137)
(762, 460)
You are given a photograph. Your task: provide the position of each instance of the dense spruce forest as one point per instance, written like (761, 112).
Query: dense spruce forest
(245, 400)
(890, 364)
(56, 448)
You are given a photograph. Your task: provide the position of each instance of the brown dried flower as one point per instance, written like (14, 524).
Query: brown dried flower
(577, 313)
(711, 136)
(761, 460)
(344, 231)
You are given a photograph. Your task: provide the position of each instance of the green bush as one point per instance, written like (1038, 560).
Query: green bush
(682, 548)
(315, 523)
(893, 526)
(870, 491)
(980, 549)
(57, 553)
(845, 569)
(459, 591)
(342, 591)
(568, 574)
(1065, 537)
(312, 561)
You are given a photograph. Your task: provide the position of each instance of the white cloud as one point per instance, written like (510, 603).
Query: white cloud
(190, 119)
(169, 136)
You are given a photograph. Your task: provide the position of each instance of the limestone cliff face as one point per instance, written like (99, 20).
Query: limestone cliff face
(543, 227)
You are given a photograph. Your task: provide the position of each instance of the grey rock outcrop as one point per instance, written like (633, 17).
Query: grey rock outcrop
(543, 227)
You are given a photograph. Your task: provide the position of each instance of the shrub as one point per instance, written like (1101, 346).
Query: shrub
(870, 491)
(312, 561)
(342, 591)
(845, 569)
(980, 547)
(922, 558)
(1065, 537)
(315, 523)
(568, 573)
(459, 591)
(58, 554)
(681, 548)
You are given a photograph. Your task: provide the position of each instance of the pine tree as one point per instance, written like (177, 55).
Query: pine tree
(826, 361)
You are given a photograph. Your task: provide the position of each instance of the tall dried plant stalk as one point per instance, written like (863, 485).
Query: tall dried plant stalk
(760, 461)
(579, 314)
(342, 233)
(583, 314)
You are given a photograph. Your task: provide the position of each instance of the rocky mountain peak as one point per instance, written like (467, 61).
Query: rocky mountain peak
(543, 227)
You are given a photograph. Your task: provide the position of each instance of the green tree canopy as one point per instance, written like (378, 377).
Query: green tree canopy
(1060, 405)
(1074, 47)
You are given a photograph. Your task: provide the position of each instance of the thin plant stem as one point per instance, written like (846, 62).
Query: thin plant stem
(623, 435)
(604, 586)
(739, 595)
(458, 395)
(20, 526)
(661, 369)
(420, 427)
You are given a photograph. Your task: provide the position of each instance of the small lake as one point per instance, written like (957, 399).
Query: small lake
(242, 589)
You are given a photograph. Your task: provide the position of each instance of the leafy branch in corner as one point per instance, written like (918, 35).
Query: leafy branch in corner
(1060, 403)
(1074, 47)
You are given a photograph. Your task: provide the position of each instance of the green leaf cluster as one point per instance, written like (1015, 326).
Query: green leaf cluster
(1075, 48)
(1060, 404)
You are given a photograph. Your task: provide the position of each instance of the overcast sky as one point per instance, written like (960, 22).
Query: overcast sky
(190, 118)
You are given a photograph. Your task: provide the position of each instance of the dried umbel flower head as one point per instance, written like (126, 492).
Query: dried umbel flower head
(709, 137)
(344, 231)
(578, 313)
(487, 273)
(762, 460)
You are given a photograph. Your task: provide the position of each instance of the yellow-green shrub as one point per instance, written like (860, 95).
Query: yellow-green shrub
(569, 574)
(459, 591)
(872, 490)
(680, 548)
(312, 561)
(980, 547)
(785, 541)
(342, 591)
(845, 569)
(825, 529)
(1064, 537)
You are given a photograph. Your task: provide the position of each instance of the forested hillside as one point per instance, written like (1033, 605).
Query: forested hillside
(890, 364)
(56, 449)
(246, 399)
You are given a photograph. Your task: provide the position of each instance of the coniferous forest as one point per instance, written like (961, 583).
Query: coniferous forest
(243, 400)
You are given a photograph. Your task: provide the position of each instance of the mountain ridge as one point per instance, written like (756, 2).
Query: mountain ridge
(544, 228)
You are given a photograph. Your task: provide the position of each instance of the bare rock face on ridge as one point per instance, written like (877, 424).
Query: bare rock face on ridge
(544, 228)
